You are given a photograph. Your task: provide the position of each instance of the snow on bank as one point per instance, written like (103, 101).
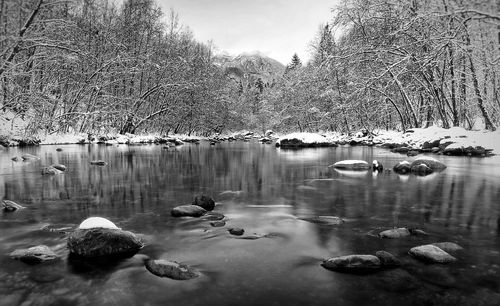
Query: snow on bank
(303, 138)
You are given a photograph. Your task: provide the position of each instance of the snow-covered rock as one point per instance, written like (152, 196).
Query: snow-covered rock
(296, 140)
(352, 165)
(94, 222)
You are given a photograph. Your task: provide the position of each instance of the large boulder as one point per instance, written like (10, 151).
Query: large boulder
(203, 201)
(430, 162)
(395, 233)
(303, 140)
(10, 206)
(431, 253)
(188, 211)
(99, 237)
(170, 269)
(34, 255)
(352, 165)
(352, 263)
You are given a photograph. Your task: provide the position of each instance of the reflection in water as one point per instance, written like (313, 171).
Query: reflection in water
(268, 192)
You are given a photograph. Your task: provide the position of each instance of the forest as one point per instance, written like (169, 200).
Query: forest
(92, 66)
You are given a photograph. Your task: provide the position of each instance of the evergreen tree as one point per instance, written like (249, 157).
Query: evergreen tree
(295, 63)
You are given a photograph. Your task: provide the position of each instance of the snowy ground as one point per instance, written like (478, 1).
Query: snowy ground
(415, 138)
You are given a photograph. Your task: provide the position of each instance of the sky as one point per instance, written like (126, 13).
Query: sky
(276, 28)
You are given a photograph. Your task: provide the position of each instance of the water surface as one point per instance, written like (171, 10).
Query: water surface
(266, 191)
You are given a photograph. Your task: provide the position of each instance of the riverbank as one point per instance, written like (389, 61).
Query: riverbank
(453, 141)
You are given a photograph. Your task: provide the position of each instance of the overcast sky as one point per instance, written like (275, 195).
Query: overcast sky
(277, 28)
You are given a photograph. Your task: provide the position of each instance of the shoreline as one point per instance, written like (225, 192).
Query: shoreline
(454, 141)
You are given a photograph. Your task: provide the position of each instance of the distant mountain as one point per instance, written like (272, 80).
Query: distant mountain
(248, 67)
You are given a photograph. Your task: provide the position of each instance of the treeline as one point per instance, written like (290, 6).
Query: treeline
(400, 64)
(92, 66)
(97, 67)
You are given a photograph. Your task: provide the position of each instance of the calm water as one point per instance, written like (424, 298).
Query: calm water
(264, 190)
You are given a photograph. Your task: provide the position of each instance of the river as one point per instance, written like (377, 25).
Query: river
(268, 192)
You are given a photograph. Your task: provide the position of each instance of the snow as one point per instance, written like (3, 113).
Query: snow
(97, 222)
(70, 138)
(307, 138)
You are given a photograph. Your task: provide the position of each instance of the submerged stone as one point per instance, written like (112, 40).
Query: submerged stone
(50, 171)
(324, 220)
(431, 253)
(387, 259)
(205, 202)
(59, 167)
(394, 233)
(29, 157)
(98, 163)
(352, 263)
(397, 280)
(188, 211)
(34, 255)
(213, 216)
(170, 269)
(10, 206)
(218, 223)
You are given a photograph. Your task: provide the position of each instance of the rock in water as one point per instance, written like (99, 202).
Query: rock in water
(236, 231)
(387, 259)
(403, 167)
(431, 253)
(170, 269)
(98, 162)
(50, 171)
(448, 246)
(97, 222)
(213, 216)
(29, 157)
(376, 166)
(34, 255)
(352, 165)
(352, 263)
(10, 206)
(59, 167)
(188, 211)
(421, 169)
(430, 162)
(101, 242)
(395, 233)
(324, 220)
(205, 202)
(218, 223)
